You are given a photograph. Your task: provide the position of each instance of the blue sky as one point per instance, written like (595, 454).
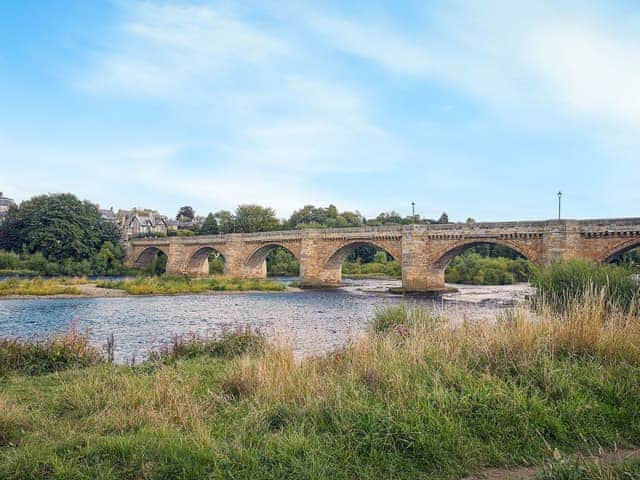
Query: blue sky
(481, 109)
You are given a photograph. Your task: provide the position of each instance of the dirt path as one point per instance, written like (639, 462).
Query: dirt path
(525, 473)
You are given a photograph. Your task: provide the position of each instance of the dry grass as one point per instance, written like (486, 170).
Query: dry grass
(38, 286)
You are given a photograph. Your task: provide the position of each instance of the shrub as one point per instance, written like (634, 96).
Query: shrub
(60, 352)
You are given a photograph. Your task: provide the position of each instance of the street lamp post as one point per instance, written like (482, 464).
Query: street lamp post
(559, 204)
(413, 211)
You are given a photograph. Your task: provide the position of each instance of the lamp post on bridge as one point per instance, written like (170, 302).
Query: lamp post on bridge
(559, 204)
(413, 211)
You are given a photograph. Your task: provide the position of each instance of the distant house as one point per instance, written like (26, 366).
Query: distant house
(143, 225)
(5, 203)
(108, 214)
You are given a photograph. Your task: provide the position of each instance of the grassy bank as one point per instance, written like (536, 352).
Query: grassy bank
(561, 284)
(415, 398)
(389, 268)
(168, 285)
(38, 286)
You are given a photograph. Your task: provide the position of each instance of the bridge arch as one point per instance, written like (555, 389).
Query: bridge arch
(147, 256)
(620, 249)
(198, 263)
(337, 258)
(443, 258)
(257, 258)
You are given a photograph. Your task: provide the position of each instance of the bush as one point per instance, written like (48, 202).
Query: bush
(60, 352)
(472, 268)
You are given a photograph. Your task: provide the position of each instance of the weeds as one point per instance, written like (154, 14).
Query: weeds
(171, 285)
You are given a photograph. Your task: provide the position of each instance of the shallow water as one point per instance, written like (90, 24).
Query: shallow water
(314, 321)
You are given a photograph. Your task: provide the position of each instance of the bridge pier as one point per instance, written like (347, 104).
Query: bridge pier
(423, 250)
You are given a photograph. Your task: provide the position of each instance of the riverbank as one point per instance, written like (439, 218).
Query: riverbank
(415, 397)
(69, 288)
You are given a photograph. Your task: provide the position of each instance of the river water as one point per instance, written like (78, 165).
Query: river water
(313, 321)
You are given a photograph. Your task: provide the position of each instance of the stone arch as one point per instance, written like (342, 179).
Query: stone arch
(257, 257)
(198, 263)
(442, 260)
(337, 258)
(620, 249)
(146, 257)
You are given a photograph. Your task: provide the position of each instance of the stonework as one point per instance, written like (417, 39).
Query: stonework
(423, 251)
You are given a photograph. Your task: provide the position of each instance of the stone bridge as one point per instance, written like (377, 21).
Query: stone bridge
(422, 250)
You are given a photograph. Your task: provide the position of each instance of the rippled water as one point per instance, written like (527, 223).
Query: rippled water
(314, 321)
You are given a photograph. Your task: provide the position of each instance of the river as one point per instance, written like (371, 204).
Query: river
(313, 321)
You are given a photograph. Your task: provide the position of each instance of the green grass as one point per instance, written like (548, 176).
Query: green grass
(415, 398)
(561, 284)
(371, 270)
(37, 286)
(170, 285)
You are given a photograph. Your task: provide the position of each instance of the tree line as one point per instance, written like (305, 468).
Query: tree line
(256, 218)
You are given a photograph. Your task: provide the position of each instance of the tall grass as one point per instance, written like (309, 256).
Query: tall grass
(562, 284)
(70, 349)
(171, 285)
(417, 397)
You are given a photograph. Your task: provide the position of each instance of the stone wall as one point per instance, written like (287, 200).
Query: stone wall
(424, 251)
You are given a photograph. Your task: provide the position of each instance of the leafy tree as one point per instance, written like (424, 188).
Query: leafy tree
(444, 218)
(255, 218)
(185, 214)
(209, 226)
(226, 221)
(108, 261)
(58, 226)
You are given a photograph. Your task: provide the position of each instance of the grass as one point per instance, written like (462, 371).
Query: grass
(60, 352)
(372, 269)
(417, 397)
(38, 286)
(561, 284)
(170, 285)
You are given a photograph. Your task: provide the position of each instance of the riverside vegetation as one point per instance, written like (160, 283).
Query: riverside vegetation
(417, 397)
(170, 285)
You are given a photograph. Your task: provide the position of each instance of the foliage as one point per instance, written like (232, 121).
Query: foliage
(60, 352)
(247, 219)
(281, 262)
(58, 226)
(562, 283)
(387, 268)
(471, 268)
(170, 285)
(186, 233)
(158, 266)
(444, 218)
(185, 214)
(35, 286)
(209, 226)
(228, 345)
(216, 264)
(310, 216)
(421, 399)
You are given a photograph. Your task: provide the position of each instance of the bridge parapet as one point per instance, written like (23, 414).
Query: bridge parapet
(423, 250)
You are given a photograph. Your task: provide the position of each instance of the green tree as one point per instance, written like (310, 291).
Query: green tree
(185, 214)
(108, 260)
(58, 226)
(255, 218)
(226, 221)
(209, 226)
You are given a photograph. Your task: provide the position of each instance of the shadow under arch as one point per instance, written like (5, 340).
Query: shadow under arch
(146, 258)
(616, 254)
(199, 262)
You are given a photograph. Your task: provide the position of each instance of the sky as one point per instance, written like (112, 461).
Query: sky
(481, 109)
